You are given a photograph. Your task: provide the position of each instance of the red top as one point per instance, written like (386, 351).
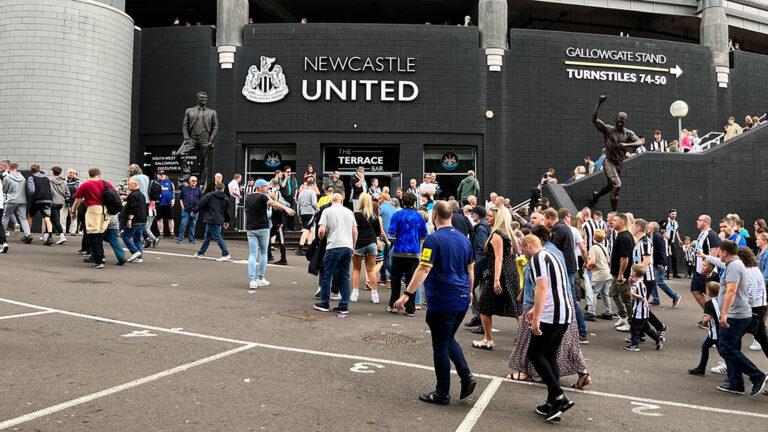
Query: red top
(91, 191)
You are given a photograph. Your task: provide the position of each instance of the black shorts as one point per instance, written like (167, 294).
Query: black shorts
(164, 212)
(306, 221)
(43, 208)
(699, 283)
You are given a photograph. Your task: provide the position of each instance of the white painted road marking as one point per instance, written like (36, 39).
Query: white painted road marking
(87, 398)
(42, 312)
(641, 409)
(474, 414)
(363, 368)
(139, 333)
(208, 258)
(385, 361)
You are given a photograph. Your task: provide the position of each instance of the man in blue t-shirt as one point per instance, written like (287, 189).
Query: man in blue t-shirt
(445, 269)
(407, 227)
(165, 205)
(386, 211)
(728, 232)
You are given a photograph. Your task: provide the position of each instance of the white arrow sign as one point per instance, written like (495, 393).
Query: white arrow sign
(139, 333)
(676, 71)
(642, 407)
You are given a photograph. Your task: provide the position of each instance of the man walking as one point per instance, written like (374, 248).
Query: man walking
(621, 256)
(96, 216)
(671, 227)
(735, 316)
(60, 193)
(468, 186)
(16, 200)
(216, 215)
(549, 318)
(3, 242)
(479, 237)
(134, 217)
(41, 200)
(165, 205)
(386, 211)
(658, 263)
(257, 224)
(189, 197)
(338, 226)
(307, 205)
(708, 244)
(72, 184)
(445, 270)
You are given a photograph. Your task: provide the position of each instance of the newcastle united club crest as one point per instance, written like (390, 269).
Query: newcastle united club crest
(450, 161)
(265, 85)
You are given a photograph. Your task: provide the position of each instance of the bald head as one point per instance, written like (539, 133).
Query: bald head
(336, 198)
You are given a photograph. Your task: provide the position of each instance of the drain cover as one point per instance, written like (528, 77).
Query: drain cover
(306, 314)
(390, 340)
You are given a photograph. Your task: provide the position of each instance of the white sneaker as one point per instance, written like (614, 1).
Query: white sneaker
(621, 322)
(62, 240)
(755, 346)
(354, 296)
(4, 248)
(139, 260)
(224, 258)
(197, 255)
(335, 296)
(133, 257)
(721, 369)
(262, 282)
(375, 297)
(253, 285)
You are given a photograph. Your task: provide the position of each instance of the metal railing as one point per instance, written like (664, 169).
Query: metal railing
(712, 139)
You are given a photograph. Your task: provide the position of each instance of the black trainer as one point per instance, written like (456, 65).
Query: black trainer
(340, 310)
(559, 406)
(697, 371)
(758, 386)
(435, 398)
(468, 385)
(474, 322)
(590, 317)
(660, 343)
(544, 410)
(728, 389)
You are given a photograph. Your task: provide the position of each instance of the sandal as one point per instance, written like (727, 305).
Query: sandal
(583, 381)
(518, 377)
(483, 344)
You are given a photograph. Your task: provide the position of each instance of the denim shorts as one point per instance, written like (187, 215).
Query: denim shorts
(367, 250)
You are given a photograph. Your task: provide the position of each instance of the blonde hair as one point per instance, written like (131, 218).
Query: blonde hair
(599, 236)
(365, 205)
(502, 224)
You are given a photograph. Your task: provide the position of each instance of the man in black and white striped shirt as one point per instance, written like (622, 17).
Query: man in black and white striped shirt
(658, 144)
(589, 226)
(643, 254)
(549, 318)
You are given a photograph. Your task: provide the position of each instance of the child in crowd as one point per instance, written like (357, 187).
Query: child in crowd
(712, 320)
(639, 324)
(690, 256)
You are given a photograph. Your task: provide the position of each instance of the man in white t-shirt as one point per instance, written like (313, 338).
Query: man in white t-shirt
(428, 189)
(337, 225)
(234, 192)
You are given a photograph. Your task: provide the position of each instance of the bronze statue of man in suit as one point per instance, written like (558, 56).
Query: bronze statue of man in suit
(617, 140)
(201, 125)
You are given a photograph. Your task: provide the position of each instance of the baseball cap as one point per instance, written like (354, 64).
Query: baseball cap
(478, 210)
(261, 183)
(161, 172)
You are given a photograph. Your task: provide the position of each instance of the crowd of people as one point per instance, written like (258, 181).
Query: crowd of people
(445, 256)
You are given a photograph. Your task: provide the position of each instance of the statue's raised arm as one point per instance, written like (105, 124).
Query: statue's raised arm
(596, 121)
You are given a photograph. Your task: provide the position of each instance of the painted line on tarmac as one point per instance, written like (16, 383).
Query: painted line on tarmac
(477, 410)
(384, 361)
(43, 312)
(87, 398)
(209, 258)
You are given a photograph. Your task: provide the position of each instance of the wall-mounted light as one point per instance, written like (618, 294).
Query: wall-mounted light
(489, 114)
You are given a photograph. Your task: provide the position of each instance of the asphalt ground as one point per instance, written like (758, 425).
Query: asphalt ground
(177, 343)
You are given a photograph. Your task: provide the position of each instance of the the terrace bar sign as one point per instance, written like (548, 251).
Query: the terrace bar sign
(346, 158)
(360, 89)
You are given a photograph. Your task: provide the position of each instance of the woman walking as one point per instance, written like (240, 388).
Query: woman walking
(500, 283)
(366, 247)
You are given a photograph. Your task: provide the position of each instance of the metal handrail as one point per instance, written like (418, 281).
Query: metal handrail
(712, 142)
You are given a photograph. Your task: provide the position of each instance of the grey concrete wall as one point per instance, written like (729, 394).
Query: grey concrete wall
(66, 79)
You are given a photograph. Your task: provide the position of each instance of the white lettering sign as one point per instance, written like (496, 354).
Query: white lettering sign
(629, 73)
(351, 90)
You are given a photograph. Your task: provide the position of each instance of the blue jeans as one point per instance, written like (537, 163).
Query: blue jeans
(132, 239)
(729, 347)
(258, 243)
(576, 308)
(110, 236)
(187, 219)
(659, 276)
(335, 266)
(386, 268)
(708, 342)
(213, 233)
(445, 349)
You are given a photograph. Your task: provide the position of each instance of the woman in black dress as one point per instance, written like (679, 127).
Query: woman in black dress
(500, 283)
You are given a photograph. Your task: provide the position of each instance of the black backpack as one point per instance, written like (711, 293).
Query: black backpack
(155, 191)
(111, 200)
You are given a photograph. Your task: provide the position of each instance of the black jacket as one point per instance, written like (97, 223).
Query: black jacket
(215, 208)
(659, 250)
(563, 240)
(480, 235)
(135, 205)
(461, 223)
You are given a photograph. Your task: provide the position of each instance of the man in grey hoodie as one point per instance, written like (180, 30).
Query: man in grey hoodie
(3, 242)
(40, 199)
(60, 193)
(16, 200)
